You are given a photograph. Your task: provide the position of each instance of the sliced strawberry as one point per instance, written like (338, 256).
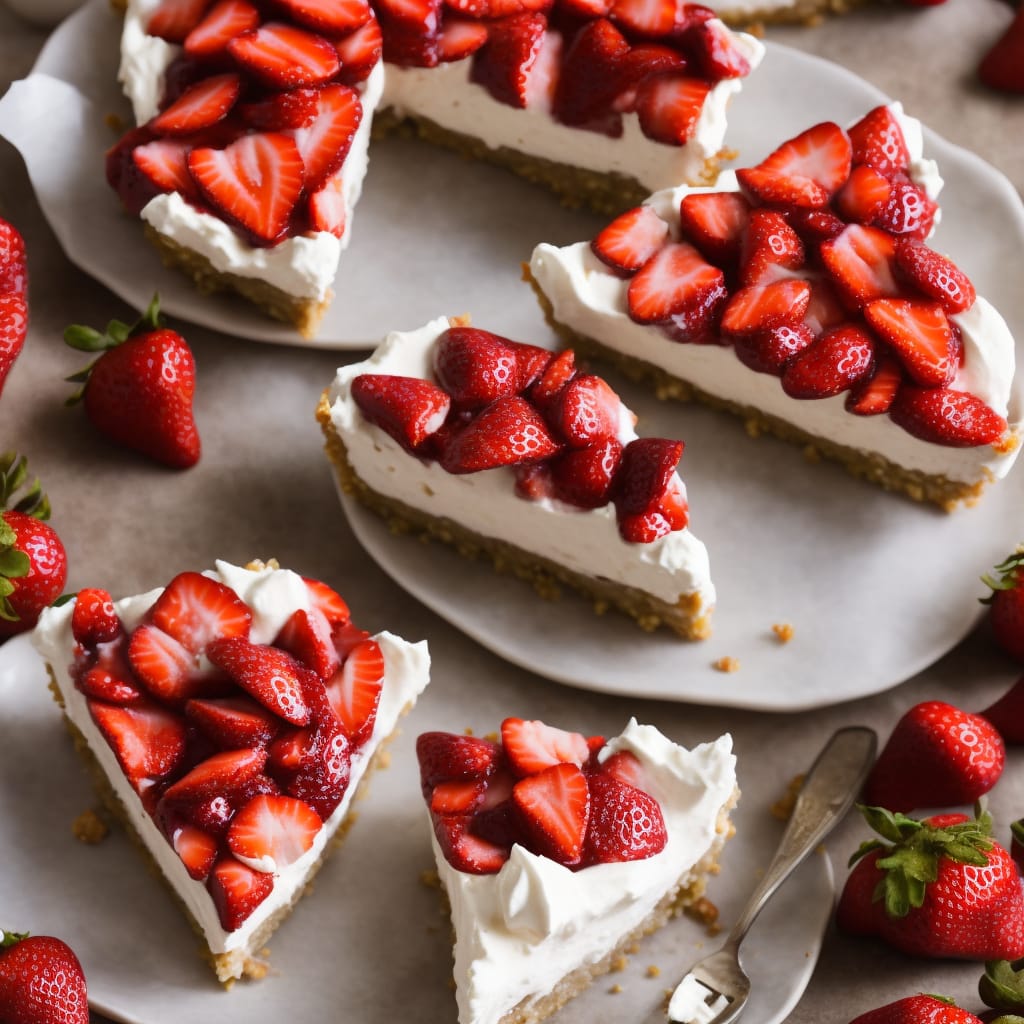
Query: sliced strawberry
(493, 9)
(465, 851)
(332, 17)
(459, 38)
(233, 722)
(769, 351)
(676, 278)
(554, 807)
(943, 416)
(164, 163)
(587, 411)
(448, 756)
(878, 142)
(271, 833)
(475, 366)
(408, 409)
(625, 767)
(669, 106)
(421, 15)
(284, 57)
(504, 65)
(325, 143)
(200, 106)
(457, 797)
(909, 211)
(768, 243)
(347, 637)
(197, 610)
(645, 473)
(698, 322)
(625, 823)
(531, 362)
(589, 81)
(269, 675)
(306, 636)
(673, 505)
(715, 51)
(714, 222)
(327, 601)
(860, 261)
(534, 482)
(360, 52)
(327, 211)
(148, 742)
(586, 9)
(499, 824)
(655, 19)
(225, 20)
(532, 746)
(197, 850)
(583, 476)
(222, 774)
(765, 307)
(875, 394)
(831, 364)
(555, 377)
(280, 111)
(324, 768)
(409, 45)
(864, 195)
(212, 815)
(354, 692)
(237, 891)
(813, 226)
(174, 19)
(921, 336)
(255, 181)
(507, 433)
(114, 688)
(631, 240)
(936, 276)
(165, 667)
(824, 310)
(639, 63)
(94, 619)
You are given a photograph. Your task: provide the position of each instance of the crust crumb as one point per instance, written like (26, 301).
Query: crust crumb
(430, 878)
(620, 963)
(784, 631)
(493, 737)
(468, 731)
(615, 990)
(726, 664)
(783, 807)
(90, 828)
(653, 971)
(115, 123)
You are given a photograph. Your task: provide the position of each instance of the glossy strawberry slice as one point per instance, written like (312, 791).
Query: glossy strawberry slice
(324, 768)
(813, 226)
(655, 19)
(360, 52)
(875, 394)
(354, 692)
(508, 432)
(504, 66)
(769, 243)
(625, 767)
(531, 362)
(475, 366)
(830, 365)
(714, 222)
(669, 106)
(587, 411)
(174, 19)
(860, 261)
(112, 687)
(532, 746)
(763, 307)
(943, 416)
(676, 278)
(465, 851)
(281, 56)
(698, 322)
(269, 675)
(631, 240)
(534, 482)
(555, 377)
(459, 38)
(327, 208)
(233, 722)
(280, 111)
(94, 619)
(165, 667)
(306, 636)
(583, 476)
(225, 21)
(625, 823)
(197, 610)
(197, 850)
(327, 601)
(909, 211)
(935, 275)
(824, 311)
(878, 142)
(408, 409)
(589, 81)
(332, 17)
(347, 637)
(447, 756)
(637, 64)
(921, 336)
(255, 181)
(864, 195)
(645, 473)
(148, 742)
(164, 163)
(237, 891)
(457, 797)
(271, 833)
(769, 351)
(587, 9)
(220, 775)
(554, 807)
(716, 52)
(204, 104)
(325, 143)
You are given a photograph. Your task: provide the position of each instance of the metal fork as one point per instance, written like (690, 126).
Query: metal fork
(716, 989)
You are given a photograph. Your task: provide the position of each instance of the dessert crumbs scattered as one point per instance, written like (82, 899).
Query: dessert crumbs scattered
(115, 123)
(633, 948)
(615, 989)
(653, 971)
(783, 631)
(704, 912)
(257, 970)
(430, 878)
(89, 828)
(620, 963)
(383, 759)
(726, 664)
(783, 807)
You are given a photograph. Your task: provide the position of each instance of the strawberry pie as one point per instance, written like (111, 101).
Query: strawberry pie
(558, 852)
(513, 451)
(254, 120)
(229, 719)
(803, 295)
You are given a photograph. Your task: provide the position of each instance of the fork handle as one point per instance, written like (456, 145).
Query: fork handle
(829, 790)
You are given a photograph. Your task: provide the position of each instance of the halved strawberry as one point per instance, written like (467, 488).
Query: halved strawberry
(583, 476)
(148, 742)
(360, 52)
(233, 722)
(715, 51)
(284, 57)
(555, 377)
(875, 394)
(223, 22)
(459, 38)
(640, 62)
(408, 409)
(212, 815)
(205, 103)
(878, 142)
(271, 833)
(475, 366)
(465, 851)
(587, 411)
(769, 351)
(587, 9)
(220, 775)
(459, 796)
(935, 275)
(174, 19)
(113, 687)
(676, 278)
(625, 823)
(165, 667)
(278, 111)
(831, 364)
(714, 222)
(324, 144)
(505, 64)
(347, 637)
(164, 162)
(698, 322)
(327, 210)
(328, 602)
(354, 692)
(589, 81)
(860, 261)
(423, 16)
(554, 807)
(197, 610)
(197, 850)
(448, 756)
(768, 243)
(630, 240)
(625, 767)
(306, 636)
(645, 473)
(531, 362)
(237, 891)
(655, 19)
(94, 619)
(255, 181)
(864, 195)
(763, 307)
(813, 226)
(669, 106)
(909, 211)
(532, 746)
(943, 416)
(494, 9)
(332, 17)
(921, 336)
(507, 433)
(408, 45)
(324, 767)
(534, 482)
(824, 310)
(269, 675)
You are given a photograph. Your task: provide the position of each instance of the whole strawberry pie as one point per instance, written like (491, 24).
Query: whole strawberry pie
(503, 448)
(233, 715)
(557, 851)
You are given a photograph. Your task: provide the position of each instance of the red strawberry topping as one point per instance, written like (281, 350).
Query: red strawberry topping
(360, 51)
(587, 411)
(204, 104)
(465, 851)
(224, 773)
(196, 610)
(909, 211)
(332, 17)
(645, 473)
(716, 52)
(475, 366)
(279, 111)
(148, 741)
(271, 833)
(874, 395)
(676, 278)
(714, 222)
(769, 351)
(507, 433)
(408, 409)
(457, 797)
(763, 307)
(670, 105)
(631, 240)
(94, 619)
(328, 602)
(224, 21)
(165, 667)
(504, 66)
(554, 806)
(583, 476)
(197, 850)
(864, 195)
(237, 891)
(174, 19)
(921, 336)
(532, 746)
(769, 244)
(459, 38)
(445, 756)
(625, 823)
(283, 57)
(164, 163)
(559, 371)
(878, 142)
(306, 636)
(831, 364)
(354, 692)
(267, 674)
(860, 261)
(944, 416)
(935, 275)
(233, 722)
(324, 144)
(589, 81)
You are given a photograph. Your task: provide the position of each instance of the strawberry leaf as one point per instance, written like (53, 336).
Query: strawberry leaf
(85, 339)
(14, 564)
(894, 827)
(1007, 578)
(1017, 830)
(8, 939)
(13, 474)
(1002, 985)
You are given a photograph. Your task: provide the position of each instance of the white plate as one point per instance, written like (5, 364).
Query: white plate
(367, 945)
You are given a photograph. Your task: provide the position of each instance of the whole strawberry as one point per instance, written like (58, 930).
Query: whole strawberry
(139, 391)
(1006, 604)
(936, 756)
(1002, 67)
(1007, 714)
(1017, 843)
(41, 982)
(13, 297)
(33, 563)
(938, 888)
(919, 1009)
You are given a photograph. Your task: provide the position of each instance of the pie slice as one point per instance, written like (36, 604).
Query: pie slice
(558, 852)
(802, 295)
(512, 451)
(228, 721)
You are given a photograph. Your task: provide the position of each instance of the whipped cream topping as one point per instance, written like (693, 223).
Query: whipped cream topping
(586, 541)
(590, 299)
(520, 931)
(272, 595)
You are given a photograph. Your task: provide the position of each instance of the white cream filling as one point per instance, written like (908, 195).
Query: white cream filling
(272, 595)
(590, 299)
(586, 541)
(520, 931)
